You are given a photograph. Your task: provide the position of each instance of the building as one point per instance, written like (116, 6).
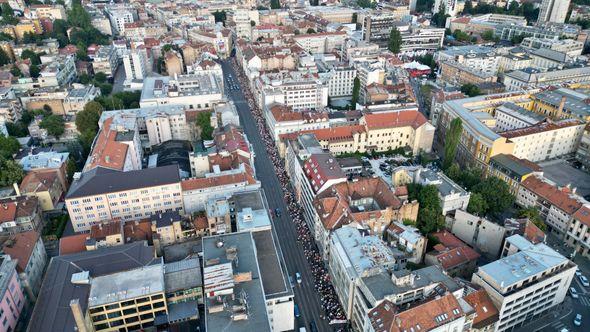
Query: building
(50, 159)
(528, 280)
(102, 194)
(282, 119)
(11, 293)
(570, 47)
(339, 76)
(533, 78)
(296, 89)
(512, 170)
(556, 205)
(119, 16)
(486, 236)
(459, 74)
(451, 7)
(352, 256)
(546, 140)
(510, 116)
(553, 11)
(47, 185)
(407, 239)
(105, 60)
(322, 42)
(250, 287)
(479, 58)
(583, 151)
(452, 255)
(195, 91)
(562, 103)
(135, 65)
(78, 97)
(60, 71)
(20, 214)
(29, 252)
(452, 196)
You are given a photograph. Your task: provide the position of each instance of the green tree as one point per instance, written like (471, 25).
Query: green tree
(488, 35)
(452, 138)
(477, 204)
(8, 15)
(310, 31)
(87, 119)
(29, 54)
(105, 88)
(130, 99)
(496, 193)
(516, 39)
(204, 122)
(85, 139)
(34, 71)
(395, 40)
(8, 146)
(424, 6)
(220, 16)
(4, 58)
(84, 78)
(532, 213)
(430, 217)
(16, 72)
(453, 172)
(252, 23)
(5, 37)
(100, 77)
(461, 36)
(356, 90)
(365, 3)
(428, 60)
(440, 18)
(54, 124)
(10, 172)
(470, 89)
(275, 4)
(470, 177)
(17, 129)
(71, 168)
(468, 7)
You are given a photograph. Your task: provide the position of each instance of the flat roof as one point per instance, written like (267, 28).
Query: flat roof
(272, 265)
(532, 259)
(214, 255)
(126, 285)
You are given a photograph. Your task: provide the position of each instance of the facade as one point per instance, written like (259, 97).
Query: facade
(546, 140)
(479, 58)
(11, 293)
(452, 255)
(511, 116)
(46, 185)
(407, 239)
(531, 274)
(553, 11)
(532, 78)
(195, 91)
(135, 65)
(512, 170)
(340, 78)
(299, 90)
(460, 74)
(60, 72)
(101, 194)
(105, 60)
(477, 232)
(323, 42)
(20, 214)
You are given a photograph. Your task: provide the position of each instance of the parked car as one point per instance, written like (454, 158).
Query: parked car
(573, 293)
(298, 277)
(297, 313)
(277, 212)
(584, 281)
(578, 320)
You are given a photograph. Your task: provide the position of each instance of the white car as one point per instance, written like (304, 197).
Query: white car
(584, 281)
(574, 293)
(578, 320)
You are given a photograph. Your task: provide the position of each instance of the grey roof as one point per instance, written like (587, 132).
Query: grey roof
(272, 265)
(184, 274)
(257, 315)
(166, 218)
(511, 165)
(101, 180)
(52, 310)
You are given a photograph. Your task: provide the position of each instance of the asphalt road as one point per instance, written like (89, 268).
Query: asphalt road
(305, 295)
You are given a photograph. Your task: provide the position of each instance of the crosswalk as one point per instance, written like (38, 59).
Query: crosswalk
(555, 326)
(585, 301)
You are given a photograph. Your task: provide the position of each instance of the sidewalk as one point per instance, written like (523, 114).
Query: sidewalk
(555, 314)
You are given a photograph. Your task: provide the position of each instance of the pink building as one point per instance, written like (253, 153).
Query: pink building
(12, 299)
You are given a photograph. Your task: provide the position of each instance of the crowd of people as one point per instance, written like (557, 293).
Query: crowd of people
(332, 308)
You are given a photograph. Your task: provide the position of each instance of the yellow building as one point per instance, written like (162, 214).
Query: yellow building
(168, 226)
(27, 26)
(562, 103)
(512, 170)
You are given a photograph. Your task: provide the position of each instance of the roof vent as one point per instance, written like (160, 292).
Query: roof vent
(81, 278)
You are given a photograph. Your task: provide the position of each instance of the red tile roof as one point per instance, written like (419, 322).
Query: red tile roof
(72, 244)
(486, 311)
(560, 197)
(424, 317)
(107, 152)
(216, 181)
(540, 127)
(20, 246)
(451, 251)
(411, 118)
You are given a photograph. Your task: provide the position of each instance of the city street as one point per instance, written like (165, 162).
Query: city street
(305, 295)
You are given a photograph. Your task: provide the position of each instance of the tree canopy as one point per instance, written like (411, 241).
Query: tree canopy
(204, 122)
(275, 4)
(430, 218)
(54, 124)
(8, 146)
(356, 90)
(10, 172)
(395, 41)
(470, 89)
(452, 138)
(87, 119)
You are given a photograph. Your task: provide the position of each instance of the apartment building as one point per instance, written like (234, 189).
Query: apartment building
(195, 91)
(111, 150)
(512, 170)
(48, 185)
(377, 25)
(570, 47)
(29, 251)
(533, 78)
(296, 89)
(119, 16)
(487, 22)
(59, 71)
(417, 39)
(11, 294)
(78, 97)
(546, 140)
(452, 255)
(527, 281)
(339, 77)
(352, 256)
(104, 59)
(553, 11)
(135, 65)
(407, 239)
(20, 214)
(101, 194)
(556, 204)
(459, 74)
(510, 116)
(451, 7)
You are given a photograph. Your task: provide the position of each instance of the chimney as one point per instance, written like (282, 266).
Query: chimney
(78, 315)
(16, 189)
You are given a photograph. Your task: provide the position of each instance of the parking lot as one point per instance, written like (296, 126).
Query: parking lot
(383, 167)
(563, 173)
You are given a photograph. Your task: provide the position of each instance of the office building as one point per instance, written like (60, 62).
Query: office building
(527, 281)
(195, 91)
(135, 65)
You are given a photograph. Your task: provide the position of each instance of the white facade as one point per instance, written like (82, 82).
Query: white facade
(195, 91)
(543, 145)
(510, 116)
(118, 18)
(134, 63)
(527, 281)
(553, 11)
(300, 91)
